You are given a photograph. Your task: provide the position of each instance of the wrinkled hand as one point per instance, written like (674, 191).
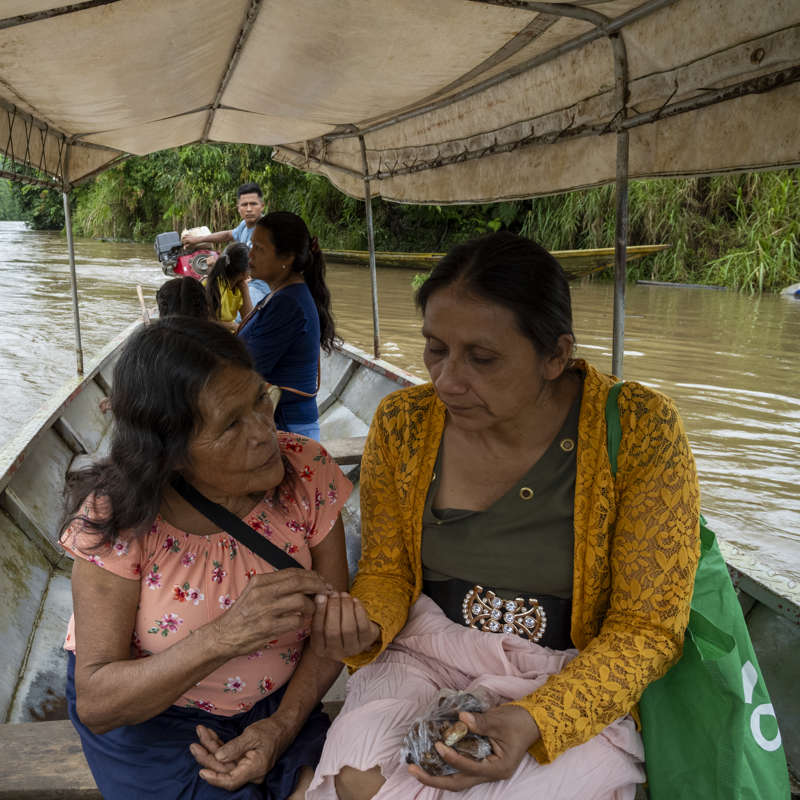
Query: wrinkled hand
(341, 627)
(271, 605)
(511, 731)
(245, 759)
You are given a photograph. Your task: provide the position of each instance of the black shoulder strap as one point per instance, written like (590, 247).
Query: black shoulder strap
(229, 522)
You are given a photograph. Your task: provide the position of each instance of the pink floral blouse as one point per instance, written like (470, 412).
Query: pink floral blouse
(187, 580)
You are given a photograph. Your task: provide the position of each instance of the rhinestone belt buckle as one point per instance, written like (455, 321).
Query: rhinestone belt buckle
(492, 613)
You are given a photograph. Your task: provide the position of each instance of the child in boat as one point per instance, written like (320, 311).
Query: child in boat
(226, 286)
(185, 296)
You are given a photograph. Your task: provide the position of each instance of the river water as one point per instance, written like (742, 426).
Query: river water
(730, 361)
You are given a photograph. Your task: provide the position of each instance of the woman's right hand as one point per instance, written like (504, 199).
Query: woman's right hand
(341, 627)
(271, 605)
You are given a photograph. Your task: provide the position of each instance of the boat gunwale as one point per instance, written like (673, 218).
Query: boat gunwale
(391, 371)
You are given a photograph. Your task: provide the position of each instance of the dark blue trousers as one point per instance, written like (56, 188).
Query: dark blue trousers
(151, 761)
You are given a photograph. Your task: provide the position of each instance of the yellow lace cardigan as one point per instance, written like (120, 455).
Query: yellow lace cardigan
(637, 544)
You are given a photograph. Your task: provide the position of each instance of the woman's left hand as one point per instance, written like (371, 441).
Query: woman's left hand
(511, 731)
(245, 759)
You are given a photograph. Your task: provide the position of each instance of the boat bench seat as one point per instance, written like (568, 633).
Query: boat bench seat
(346, 451)
(44, 760)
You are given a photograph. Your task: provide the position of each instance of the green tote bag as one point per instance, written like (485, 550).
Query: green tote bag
(708, 725)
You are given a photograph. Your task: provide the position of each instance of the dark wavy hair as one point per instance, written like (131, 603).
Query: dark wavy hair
(157, 382)
(185, 296)
(291, 237)
(515, 273)
(231, 264)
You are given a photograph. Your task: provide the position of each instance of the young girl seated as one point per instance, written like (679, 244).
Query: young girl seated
(226, 286)
(185, 296)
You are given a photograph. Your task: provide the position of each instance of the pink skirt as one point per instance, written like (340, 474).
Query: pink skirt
(432, 653)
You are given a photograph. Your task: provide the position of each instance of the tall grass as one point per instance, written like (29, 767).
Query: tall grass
(764, 253)
(740, 231)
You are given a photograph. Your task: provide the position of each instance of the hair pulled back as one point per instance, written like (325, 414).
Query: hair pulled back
(290, 236)
(184, 295)
(515, 273)
(158, 380)
(228, 268)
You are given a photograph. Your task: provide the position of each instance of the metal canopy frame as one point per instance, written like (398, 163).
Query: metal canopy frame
(48, 166)
(244, 33)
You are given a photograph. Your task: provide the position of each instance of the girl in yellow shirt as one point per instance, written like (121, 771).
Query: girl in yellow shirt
(226, 286)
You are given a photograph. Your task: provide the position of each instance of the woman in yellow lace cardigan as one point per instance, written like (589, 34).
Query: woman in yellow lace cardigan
(511, 433)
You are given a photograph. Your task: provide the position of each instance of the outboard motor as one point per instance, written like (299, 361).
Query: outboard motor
(175, 260)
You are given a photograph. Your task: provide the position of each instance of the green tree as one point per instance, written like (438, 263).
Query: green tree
(9, 204)
(41, 207)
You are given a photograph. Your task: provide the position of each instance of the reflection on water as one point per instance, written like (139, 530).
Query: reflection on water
(730, 362)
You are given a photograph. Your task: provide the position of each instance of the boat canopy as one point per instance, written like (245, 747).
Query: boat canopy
(450, 101)
(434, 102)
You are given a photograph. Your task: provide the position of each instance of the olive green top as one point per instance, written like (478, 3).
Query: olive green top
(523, 543)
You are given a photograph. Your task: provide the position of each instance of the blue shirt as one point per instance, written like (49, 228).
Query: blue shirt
(283, 340)
(258, 290)
(243, 234)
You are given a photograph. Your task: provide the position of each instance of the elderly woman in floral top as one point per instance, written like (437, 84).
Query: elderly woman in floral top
(187, 674)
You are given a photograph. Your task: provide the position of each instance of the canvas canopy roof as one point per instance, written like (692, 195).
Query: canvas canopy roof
(454, 100)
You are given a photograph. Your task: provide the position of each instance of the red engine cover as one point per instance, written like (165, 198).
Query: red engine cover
(194, 264)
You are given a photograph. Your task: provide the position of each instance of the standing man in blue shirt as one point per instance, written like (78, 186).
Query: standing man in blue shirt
(250, 205)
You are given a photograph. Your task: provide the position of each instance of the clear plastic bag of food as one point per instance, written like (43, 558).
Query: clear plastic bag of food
(441, 723)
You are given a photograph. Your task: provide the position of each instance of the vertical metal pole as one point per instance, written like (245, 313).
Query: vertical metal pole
(73, 281)
(620, 253)
(376, 333)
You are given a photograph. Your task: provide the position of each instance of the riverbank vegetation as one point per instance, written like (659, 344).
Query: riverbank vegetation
(740, 231)
(9, 204)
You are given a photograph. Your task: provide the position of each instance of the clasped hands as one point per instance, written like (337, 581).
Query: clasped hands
(339, 628)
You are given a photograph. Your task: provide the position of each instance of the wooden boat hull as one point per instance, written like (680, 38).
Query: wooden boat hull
(70, 428)
(576, 263)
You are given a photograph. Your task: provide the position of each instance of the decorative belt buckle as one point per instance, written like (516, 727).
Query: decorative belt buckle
(493, 613)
